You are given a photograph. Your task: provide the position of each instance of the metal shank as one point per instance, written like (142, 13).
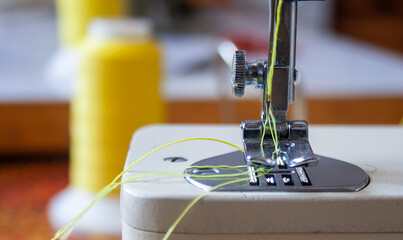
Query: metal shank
(290, 163)
(284, 73)
(290, 133)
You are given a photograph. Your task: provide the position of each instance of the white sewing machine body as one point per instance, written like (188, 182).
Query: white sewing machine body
(341, 182)
(149, 206)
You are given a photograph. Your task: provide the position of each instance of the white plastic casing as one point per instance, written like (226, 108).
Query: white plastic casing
(149, 206)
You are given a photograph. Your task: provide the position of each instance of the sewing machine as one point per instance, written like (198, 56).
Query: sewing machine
(352, 190)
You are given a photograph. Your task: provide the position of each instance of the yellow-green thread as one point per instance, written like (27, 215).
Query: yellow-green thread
(65, 231)
(275, 139)
(271, 119)
(236, 168)
(194, 201)
(274, 48)
(171, 173)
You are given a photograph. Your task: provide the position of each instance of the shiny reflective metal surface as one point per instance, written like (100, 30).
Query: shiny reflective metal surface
(293, 147)
(329, 175)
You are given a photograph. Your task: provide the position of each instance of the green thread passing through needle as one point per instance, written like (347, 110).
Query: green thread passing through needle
(271, 120)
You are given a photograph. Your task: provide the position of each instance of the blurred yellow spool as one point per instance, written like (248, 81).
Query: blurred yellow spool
(116, 91)
(74, 16)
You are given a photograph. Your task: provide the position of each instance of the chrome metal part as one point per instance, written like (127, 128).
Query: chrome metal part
(290, 133)
(253, 179)
(329, 175)
(294, 148)
(239, 73)
(284, 72)
(244, 73)
(291, 157)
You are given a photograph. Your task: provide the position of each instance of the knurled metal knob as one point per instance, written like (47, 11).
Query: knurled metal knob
(239, 66)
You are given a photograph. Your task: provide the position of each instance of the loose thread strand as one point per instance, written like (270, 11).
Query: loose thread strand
(65, 231)
(194, 201)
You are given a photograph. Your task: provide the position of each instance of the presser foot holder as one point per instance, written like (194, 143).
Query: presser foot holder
(293, 144)
(327, 175)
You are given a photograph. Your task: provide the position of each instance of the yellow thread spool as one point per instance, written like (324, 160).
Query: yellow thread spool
(116, 91)
(74, 16)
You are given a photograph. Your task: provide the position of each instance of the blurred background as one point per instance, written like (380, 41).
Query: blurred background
(349, 57)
